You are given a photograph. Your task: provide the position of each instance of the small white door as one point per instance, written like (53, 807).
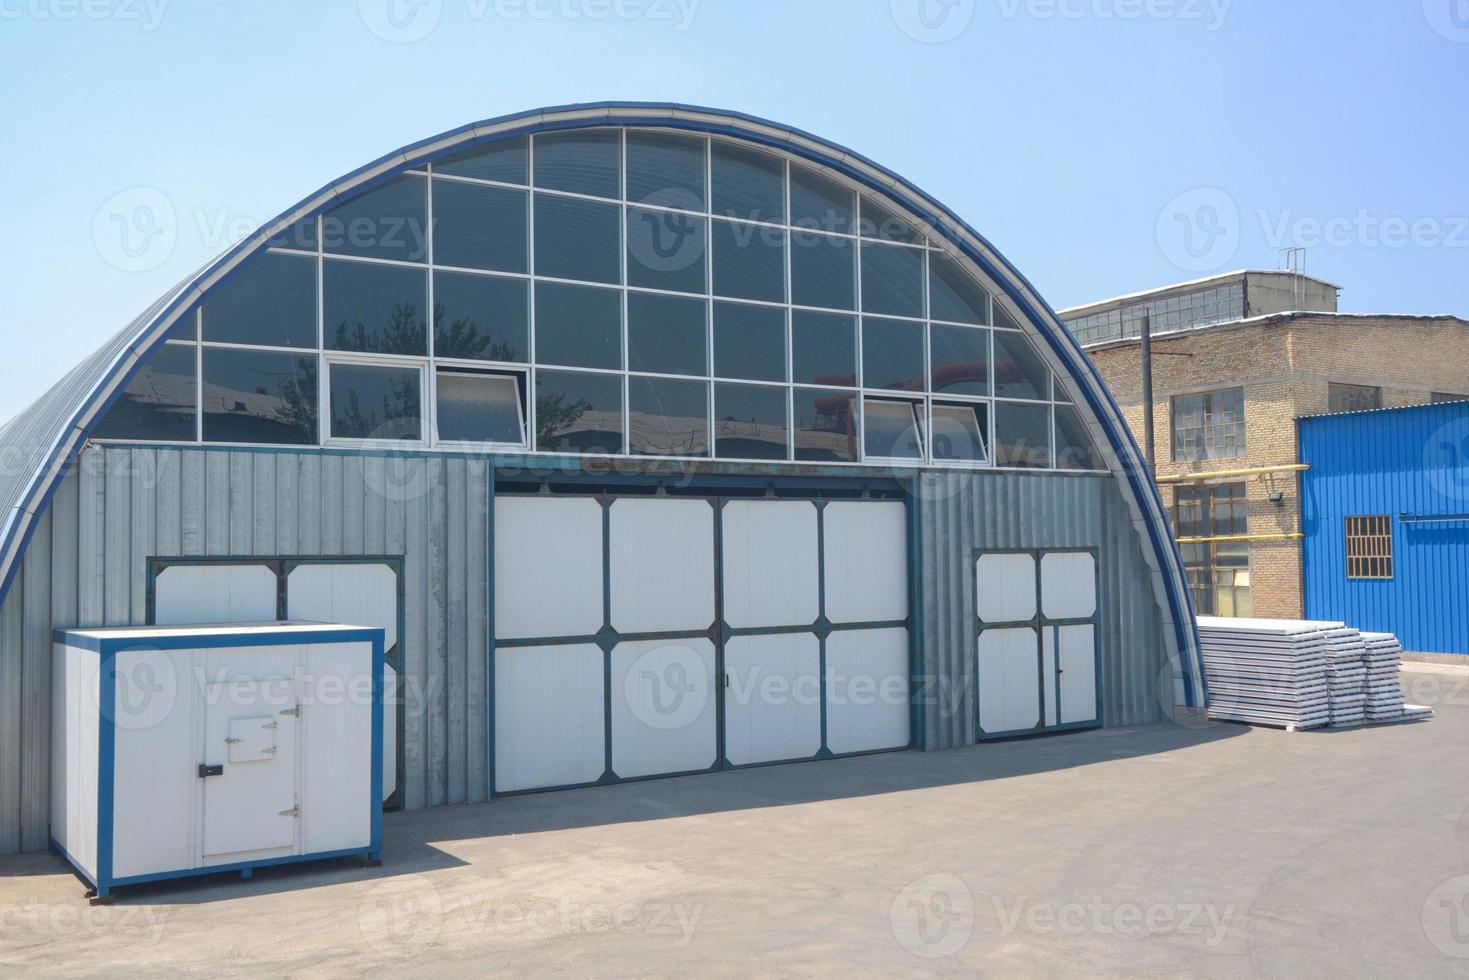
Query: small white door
(772, 702)
(251, 805)
(1077, 661)
(1009, 680)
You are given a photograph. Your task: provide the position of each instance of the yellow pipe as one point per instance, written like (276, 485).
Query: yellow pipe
(1292, 536)
(1222, 474)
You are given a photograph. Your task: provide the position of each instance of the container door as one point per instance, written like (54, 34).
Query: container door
(250, 741)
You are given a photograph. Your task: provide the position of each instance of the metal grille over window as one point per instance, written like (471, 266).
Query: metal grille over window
(1369, 547)
(1353, 398)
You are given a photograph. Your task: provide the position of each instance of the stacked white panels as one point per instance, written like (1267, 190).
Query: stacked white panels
(1267, 671)
(1346, 676)
(1384, 692)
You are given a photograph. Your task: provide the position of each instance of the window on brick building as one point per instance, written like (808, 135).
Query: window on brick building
(1369, 546)
(1209, 425)
(1218, 571)
(1352, 398)
(1439, 397)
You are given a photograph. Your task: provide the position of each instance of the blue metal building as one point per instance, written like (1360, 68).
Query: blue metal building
(1385, 509)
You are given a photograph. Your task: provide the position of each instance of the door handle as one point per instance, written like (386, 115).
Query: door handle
(206, 769)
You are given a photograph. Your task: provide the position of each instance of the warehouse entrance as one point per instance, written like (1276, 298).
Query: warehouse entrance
(640, 636)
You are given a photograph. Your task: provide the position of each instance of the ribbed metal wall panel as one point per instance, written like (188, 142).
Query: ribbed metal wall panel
(958, 513)
(1405, 461)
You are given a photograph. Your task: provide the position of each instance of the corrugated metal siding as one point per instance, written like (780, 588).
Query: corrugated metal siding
(1008, 510)
(1399, 461)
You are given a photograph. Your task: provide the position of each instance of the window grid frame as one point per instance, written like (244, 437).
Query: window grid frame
(1368, 547)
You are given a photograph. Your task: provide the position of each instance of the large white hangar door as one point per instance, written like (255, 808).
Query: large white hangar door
(1036, 653)
(617, 651)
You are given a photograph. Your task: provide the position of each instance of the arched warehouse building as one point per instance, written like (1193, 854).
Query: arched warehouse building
(721, 445)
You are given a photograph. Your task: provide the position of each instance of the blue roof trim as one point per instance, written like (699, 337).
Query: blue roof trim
(149, 331)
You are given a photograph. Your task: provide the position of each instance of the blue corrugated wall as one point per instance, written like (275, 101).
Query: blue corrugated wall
(1411, 464)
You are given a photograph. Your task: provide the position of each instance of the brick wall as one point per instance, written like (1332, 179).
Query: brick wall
(1285, 364)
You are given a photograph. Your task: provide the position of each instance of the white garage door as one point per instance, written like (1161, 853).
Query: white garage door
(616, 625)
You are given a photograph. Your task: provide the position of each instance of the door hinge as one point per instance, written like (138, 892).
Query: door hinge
(207, 769)
(725, 679)
(291, 712)
(231, 741)
(294, 811)
(268, 750)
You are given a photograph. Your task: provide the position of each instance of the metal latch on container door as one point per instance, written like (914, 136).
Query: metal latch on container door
(291, 712)
(294, 811)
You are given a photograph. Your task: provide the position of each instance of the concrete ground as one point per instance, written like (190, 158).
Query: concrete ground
(1224, 851)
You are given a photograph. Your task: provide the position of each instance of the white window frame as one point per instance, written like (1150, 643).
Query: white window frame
(328, 361)
(916, 409)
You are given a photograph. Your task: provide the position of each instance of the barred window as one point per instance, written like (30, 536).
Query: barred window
(1369, 547)
(1352, 398)
(1209, 425)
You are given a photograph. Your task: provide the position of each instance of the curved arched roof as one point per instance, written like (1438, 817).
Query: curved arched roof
(40, 443)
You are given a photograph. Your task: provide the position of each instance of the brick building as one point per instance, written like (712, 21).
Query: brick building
(1237, 359)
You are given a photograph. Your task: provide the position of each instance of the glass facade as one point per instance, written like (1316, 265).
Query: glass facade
(1201, 308)
(610, 291)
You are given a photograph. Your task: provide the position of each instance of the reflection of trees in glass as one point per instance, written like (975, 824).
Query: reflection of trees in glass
(464, 339)
(401, 334)
(297, 409)
(398, 419)
(554, 416)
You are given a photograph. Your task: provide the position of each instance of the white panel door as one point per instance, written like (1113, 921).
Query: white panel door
(1068, 585)
(251, 805)
(663, 708)
(549, 716)
(1078, 663)
(548, 567)
(355, 594)
(662, 563)
(866, 552)
(1009, 680)
(772, 703)
(771, 576)
(1004, 588)
(867, 690)
(201, 594)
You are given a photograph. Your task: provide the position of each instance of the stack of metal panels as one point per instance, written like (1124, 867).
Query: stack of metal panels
(1267, 671)
(1384, 691)
(1346, 676)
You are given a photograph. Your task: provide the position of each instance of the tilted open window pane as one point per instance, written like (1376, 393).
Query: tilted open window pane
(747, 183)
(578, 326)
(578, 412)
(259, 396)
(750, 422)
(820, 202)
(369, 401)
(582, 162)
(960, 431)
(665, 250)
(892, 280)
(159, 403)
(749, 342)
(388, 222)
(1023, 435)
(826, 425)
(269, 301)
(667, 417)
(479, 227)
(749, 261)
(823, 348)
(666, 170)
(891, 429)
(823, 271)
(481, 318)
(1019, 370)
(892, 354)
(504, 161)
(578, 239)
(481, 407)
(961, 359)
(375, 308)
(667, 334)
(1074, 447)
(953, 294)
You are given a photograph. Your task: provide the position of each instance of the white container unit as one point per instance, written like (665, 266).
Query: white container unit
(186, 750)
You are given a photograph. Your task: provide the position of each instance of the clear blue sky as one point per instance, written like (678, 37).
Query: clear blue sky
(1062, 129)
